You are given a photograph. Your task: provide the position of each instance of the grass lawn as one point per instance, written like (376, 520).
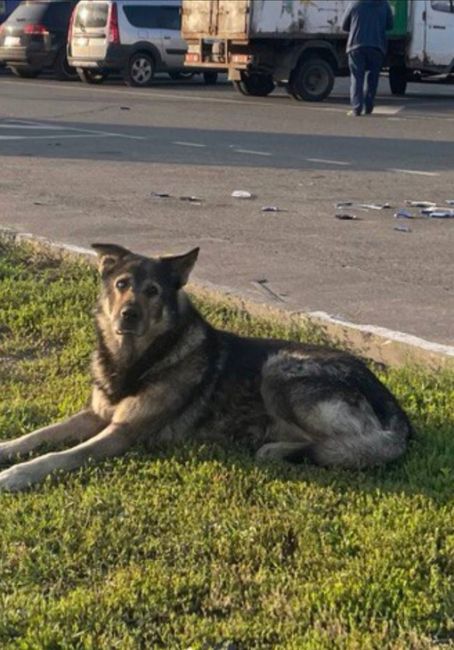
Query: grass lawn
(198, 547)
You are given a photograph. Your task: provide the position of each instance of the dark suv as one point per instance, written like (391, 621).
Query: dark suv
(34, 37)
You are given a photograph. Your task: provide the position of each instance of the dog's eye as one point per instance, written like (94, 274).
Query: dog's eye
(122, 284)
(151, 291)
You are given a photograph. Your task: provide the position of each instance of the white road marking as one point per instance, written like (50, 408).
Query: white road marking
(328, 162)
(189, 144)
(387, 110)
(252, 152)
(52, 137)
(25, 124)
(416, 172)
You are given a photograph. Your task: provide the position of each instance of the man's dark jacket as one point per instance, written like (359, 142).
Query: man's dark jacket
(367, 22)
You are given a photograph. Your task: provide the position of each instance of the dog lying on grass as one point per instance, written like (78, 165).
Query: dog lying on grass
(162, 374)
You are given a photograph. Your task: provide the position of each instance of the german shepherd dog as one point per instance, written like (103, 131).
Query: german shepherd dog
(162, 374)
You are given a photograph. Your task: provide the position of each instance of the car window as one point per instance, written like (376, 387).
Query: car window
(91, 15)
(153, 17)
(443, 5)
(53, 15)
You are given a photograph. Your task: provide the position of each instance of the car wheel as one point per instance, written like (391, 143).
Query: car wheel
(91, 76)
(210, 78)
(64, 71)
(312, 80)
(181, 74)
(398, 80)
(24, 73)
(140, 70)
(257, 85)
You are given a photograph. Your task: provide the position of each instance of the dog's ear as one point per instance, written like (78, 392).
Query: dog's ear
(109, 254)
(180, 266)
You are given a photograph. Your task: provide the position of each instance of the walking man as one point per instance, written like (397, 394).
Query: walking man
(366, 22)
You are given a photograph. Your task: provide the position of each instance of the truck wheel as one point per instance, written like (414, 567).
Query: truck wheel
(139, 70)
(91, 76)
(398, 80)
(210, 78)
(312, 80)
(257, 85)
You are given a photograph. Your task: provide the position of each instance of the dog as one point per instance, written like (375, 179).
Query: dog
(163, 375)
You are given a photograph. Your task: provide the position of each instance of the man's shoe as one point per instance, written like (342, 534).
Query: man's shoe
(354, 113)
(369, 110)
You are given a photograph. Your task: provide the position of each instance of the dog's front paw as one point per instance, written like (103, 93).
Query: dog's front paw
(13, 479)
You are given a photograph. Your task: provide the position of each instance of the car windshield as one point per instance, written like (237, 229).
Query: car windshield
(90, 15)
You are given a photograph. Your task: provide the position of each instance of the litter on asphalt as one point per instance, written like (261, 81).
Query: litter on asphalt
(402, 228)
(441, 214)
(241, 194)
(403, 214)
(375, 206)
(421, 204)
(161, 195)
(191, 199)
(271, 208)
(344, 216)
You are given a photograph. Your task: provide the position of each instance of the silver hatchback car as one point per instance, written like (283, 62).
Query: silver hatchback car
(136, 38)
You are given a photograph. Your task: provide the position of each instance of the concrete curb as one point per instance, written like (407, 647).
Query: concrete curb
(377, 343)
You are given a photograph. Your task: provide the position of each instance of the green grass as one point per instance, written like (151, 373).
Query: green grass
(198, 547)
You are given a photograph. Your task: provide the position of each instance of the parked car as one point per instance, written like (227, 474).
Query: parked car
(6, 8)
(34, 37)
(136, 38)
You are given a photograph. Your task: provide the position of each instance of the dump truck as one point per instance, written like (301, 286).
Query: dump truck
(301, 44)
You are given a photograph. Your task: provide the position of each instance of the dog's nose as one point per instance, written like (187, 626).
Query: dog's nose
(130, 313)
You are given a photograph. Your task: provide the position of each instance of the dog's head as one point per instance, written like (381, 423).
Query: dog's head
(140, 296)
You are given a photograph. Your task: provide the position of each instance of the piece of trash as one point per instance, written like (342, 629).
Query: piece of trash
(191, 199)
(450, 201)
(441, 214)
(421, 204)
(161, 195)
(345, 216)
(38, 203)
(344, 204)
(271, 208)
(125, 108)
(371, 206)
(241, 194)
(402, 228)
(429, 211)
(403, 214)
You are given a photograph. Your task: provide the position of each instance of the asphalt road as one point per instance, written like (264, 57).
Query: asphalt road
(81, 164)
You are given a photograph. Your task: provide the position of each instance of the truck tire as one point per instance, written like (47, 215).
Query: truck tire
(257, 85)
(139, 70)
(312, 80)
(91, 76)
(398, 80)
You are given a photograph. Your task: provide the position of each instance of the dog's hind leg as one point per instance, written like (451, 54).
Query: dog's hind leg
(335, 407)
(114, 440)
(77, 428)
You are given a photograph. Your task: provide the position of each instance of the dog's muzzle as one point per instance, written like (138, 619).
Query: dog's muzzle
(130, 320)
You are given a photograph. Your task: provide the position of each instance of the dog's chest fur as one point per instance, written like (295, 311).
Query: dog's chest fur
(198, 382)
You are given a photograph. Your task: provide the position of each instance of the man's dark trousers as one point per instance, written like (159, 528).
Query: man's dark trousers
(364, 60)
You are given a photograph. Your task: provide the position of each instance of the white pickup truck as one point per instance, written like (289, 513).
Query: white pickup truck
(301, 43)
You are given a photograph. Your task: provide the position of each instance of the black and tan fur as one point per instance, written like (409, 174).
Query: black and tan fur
(162, 374)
